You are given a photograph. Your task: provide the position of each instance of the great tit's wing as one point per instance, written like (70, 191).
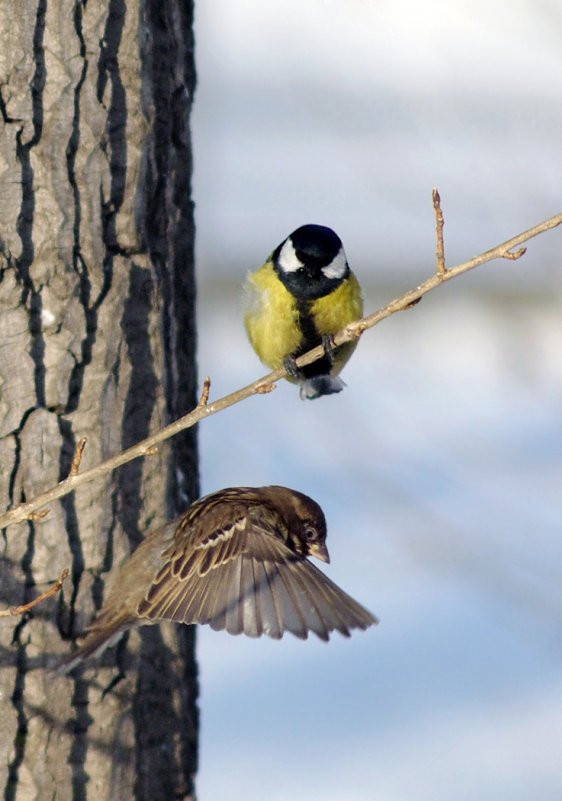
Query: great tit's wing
(244, 578)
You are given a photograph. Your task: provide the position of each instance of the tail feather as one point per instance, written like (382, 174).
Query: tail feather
(101, 635)
(319, 385)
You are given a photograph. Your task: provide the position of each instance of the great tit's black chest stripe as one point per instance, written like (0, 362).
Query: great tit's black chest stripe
(311, 339)
(309, 287)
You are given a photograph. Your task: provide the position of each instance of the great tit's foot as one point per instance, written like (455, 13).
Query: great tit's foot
(329, 347)
(290, 365)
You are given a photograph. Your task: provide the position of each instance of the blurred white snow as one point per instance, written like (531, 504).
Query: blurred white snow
(439, 467)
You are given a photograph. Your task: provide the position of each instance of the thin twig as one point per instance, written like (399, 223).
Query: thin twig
(75, 466)
(439, 223)
(204, 399)
(267, 383)
(515, 255)
(14, 611)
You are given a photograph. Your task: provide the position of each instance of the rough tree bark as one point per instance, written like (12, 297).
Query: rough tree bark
(97, 339)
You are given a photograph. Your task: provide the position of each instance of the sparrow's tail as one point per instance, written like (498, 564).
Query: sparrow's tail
(106, 631)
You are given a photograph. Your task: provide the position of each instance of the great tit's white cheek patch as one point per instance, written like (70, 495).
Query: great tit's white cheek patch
(337, 267)
(288, 260)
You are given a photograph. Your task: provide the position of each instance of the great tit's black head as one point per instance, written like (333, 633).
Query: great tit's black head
(311, 262)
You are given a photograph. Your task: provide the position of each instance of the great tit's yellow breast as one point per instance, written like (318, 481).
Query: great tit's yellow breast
(271, 317)
(334, 311)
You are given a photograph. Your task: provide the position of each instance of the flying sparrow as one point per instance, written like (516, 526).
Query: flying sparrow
(236, 560)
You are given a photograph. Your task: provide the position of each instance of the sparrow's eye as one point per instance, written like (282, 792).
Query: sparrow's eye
(310, 534)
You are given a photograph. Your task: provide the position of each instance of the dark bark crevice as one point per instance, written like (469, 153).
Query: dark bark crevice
(68, 504)
(114, 142)
(166, 217)
(31, 297)
(141, 395)
(14, 472)
(74, 140)
(159, 768)
(22, 668)
(18, 702)
(79, 727)
(166, 227)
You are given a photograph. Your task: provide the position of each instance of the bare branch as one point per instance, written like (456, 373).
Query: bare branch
(439, 223)
(266, 384)
(14, 611)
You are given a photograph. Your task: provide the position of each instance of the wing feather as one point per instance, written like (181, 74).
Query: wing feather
(250, 616)
(194, 606)
(247, 580)
(311, 608)
(339, 611)
(218, 602)
(272, 614)
(232, 600)
(287, 600)
(164, 604)
(267, 618)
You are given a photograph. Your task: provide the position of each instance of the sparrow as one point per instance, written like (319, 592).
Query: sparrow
(237, 560)
(303, 295)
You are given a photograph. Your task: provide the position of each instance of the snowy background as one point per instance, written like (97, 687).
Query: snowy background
(439, 467)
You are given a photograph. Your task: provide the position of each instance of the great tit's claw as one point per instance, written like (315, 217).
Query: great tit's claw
(329, 347)
(290, 365)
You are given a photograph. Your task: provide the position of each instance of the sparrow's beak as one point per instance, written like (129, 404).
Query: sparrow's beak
(319, 551)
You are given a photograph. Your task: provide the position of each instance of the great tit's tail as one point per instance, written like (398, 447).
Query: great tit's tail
(319, 385)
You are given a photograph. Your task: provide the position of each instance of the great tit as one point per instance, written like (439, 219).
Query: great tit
(303, 295)
(237, 560)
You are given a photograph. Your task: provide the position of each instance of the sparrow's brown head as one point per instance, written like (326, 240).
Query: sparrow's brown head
(304, 519)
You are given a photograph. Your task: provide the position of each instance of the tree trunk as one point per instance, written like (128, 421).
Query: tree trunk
(97, 340)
